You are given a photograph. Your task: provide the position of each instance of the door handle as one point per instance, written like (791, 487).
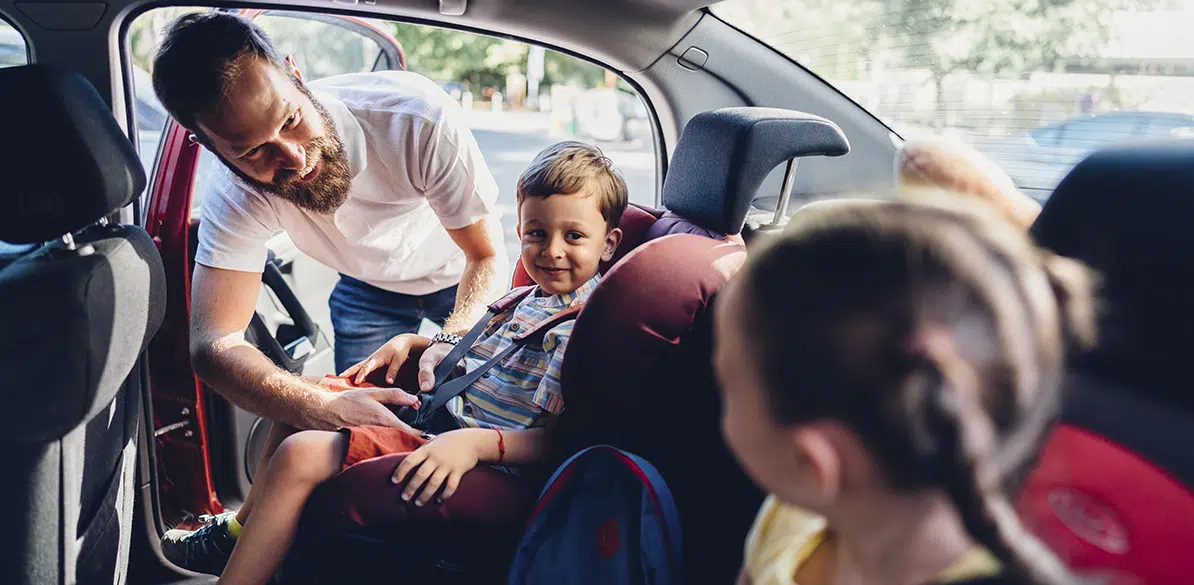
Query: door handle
(295, 352)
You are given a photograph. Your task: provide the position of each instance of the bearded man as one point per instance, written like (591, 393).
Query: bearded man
(373, 174)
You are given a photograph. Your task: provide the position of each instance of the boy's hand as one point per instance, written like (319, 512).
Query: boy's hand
(442, 461)
(394, 353)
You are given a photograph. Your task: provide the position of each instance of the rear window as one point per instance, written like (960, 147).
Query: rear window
(13, 50)
(1035, 89)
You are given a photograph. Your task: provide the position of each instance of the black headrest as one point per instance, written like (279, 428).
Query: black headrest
(65, 162)
(723, 156)
(1128, 212)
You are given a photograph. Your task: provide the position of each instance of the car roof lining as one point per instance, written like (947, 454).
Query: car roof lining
(624, 35)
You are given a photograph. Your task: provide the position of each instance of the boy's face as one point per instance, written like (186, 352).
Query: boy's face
(564, 238)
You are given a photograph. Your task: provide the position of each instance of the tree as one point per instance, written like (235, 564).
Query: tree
(994, 37)
(448, 55)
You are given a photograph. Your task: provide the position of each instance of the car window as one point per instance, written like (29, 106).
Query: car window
(518, 98)
(1033, 88)
(320, 45)
(13, 50)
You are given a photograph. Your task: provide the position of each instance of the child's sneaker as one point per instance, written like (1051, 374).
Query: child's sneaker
(205, 550)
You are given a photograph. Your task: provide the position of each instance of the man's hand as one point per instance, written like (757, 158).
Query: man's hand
(431, 358)
(365, 407)
(440, 462)
(393, 354)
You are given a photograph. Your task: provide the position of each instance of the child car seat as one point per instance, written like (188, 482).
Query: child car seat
(1112, 494)
(644, 335)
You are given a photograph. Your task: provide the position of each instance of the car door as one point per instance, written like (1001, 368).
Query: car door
(196, 429)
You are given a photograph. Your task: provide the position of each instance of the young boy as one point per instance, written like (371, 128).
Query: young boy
(570, 201)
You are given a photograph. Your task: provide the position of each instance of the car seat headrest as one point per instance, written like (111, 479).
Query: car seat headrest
(66, 163)
(1128, 213)
(724, 155)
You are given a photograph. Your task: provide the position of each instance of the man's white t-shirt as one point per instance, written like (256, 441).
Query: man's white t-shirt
(416, 171)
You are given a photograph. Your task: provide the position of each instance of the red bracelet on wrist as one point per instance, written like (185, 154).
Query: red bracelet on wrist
(501, 445)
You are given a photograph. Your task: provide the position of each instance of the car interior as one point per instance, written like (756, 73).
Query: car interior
(116, 439)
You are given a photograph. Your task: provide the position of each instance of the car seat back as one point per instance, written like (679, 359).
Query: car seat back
(77, 311)
(638, 375)
(1112, 494)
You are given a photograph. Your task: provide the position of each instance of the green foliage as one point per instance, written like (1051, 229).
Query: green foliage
(1005, 37)
(994, 38)
(480, 61)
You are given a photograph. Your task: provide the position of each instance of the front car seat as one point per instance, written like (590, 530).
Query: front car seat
(1113, 492)
(76, 314)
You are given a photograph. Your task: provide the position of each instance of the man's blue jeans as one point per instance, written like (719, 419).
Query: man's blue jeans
(364, 317)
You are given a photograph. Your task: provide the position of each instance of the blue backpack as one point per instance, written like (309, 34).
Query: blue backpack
(605, 517)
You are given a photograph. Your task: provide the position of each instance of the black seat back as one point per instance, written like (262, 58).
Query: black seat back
(76, 313)
(1114, 492)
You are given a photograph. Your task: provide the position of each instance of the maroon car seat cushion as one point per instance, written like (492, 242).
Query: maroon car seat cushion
(674, 223)
(638, 315)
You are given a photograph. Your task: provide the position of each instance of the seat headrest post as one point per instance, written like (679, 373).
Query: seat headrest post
(785, 194)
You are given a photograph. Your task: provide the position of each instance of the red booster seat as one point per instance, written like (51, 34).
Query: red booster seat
(1113, 492)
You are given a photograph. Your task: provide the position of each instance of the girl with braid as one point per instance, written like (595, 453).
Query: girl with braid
(888, 371)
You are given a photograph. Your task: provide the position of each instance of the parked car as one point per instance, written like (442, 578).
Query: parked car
(1038, 160)
(610, 115)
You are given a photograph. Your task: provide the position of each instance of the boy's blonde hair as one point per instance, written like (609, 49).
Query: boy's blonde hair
(569, 167)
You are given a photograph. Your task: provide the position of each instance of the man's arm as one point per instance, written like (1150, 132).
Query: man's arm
(222, 304)
(480, 284)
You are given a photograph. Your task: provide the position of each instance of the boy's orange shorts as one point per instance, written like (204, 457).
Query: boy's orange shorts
(367, 442)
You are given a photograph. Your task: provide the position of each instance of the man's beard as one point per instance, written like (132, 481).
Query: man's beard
(329, 189)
